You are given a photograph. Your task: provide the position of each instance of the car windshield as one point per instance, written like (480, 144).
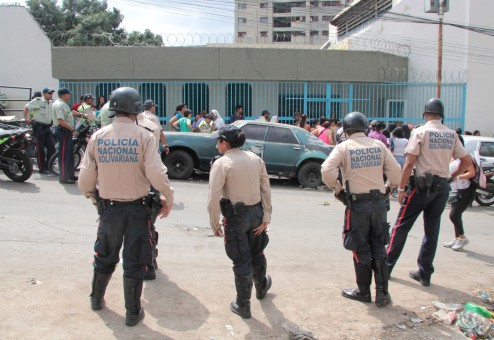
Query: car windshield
(487, 149)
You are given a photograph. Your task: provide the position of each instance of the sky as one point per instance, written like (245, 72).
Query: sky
(174, 16)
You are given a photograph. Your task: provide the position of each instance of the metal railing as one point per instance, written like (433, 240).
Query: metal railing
(386, 102)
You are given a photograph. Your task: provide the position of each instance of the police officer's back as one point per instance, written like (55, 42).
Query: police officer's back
(363, 161)
(429, 150)
(239, 188)
(121, 161)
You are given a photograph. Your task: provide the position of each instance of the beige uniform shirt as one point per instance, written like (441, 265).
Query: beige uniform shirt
(62, 110)
(152, 117)
(42, 110)
(148, 124)
(434, 144)
(86, 108)
(122, 159)
(240, 176)
(362, 161)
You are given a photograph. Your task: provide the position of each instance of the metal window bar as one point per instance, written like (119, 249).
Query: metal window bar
(316, 99)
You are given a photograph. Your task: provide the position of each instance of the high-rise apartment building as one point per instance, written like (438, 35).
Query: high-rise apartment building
(284, 21)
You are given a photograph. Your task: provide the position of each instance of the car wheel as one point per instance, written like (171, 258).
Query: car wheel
(180, 164)
(309, 175)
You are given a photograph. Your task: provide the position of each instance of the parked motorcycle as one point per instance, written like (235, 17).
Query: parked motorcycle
(84, 132)
(14, 160)
(485, 196)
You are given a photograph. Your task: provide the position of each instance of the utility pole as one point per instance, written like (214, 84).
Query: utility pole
(440, 48)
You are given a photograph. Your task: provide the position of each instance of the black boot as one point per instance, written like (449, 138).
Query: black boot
(99, 284)
(241, 305)
(261, 280)
(381, 277)
(363, 274)
(132, 294)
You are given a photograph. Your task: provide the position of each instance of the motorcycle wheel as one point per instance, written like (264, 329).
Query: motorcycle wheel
(19, 172)
(53, 162)
(484, 200)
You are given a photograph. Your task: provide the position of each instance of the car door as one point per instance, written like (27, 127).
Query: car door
(282, 150)
(255, 134)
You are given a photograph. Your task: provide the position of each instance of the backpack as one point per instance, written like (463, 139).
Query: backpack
(479, 180)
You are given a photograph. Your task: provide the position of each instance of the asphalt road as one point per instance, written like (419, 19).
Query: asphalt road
(47, 231)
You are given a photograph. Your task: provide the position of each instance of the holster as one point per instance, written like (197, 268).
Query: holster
(100, 203)
(152, 202)
(226, 207)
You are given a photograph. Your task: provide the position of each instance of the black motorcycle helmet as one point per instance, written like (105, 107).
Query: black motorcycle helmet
(125, 100)
(355, 122)
(434, 106)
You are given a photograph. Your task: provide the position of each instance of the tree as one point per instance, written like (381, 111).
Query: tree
(86, 23)
(147, 38)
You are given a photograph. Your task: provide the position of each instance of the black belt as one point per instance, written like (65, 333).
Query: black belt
(141, 200)
(439, 179)
(367, 196)
(43, 125)
(250, 207)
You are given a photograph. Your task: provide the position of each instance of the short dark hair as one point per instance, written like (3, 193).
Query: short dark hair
(238, 107)
(187, 113)
(326, 124)
(179, 107)
(398, 132)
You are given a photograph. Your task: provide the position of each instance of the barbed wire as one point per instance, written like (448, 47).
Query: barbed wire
(276, 40)
(453, 77)
(377, 45)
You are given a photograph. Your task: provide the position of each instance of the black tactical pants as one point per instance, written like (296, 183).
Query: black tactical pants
(44, 139)
(130, 225)
(242, 246)
(366, 230)
(432, 207)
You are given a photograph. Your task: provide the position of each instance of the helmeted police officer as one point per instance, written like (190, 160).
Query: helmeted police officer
(239, 188)
(429, 149)
(122, 161)
(362, 161)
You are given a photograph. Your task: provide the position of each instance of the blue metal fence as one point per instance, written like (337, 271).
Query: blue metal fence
(387, 102)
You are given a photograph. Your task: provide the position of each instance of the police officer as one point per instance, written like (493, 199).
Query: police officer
(86, 108)
(122, 161)
(150, 113)
(362, 161)
(239, 179)
(106, 116)
(41, 108)
(429, 150)
(63, 119)
(156, 131)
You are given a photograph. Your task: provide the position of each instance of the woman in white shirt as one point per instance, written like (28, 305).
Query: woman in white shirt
(398, 144)
(461, 197)
(218, 121)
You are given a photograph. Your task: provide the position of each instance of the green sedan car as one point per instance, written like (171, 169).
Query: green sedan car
(288, 151)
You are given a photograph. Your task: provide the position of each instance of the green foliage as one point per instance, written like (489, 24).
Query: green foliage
(86, 23)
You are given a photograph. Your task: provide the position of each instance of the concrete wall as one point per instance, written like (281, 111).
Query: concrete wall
(215, 63)
(467, 57)
(25, 60)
